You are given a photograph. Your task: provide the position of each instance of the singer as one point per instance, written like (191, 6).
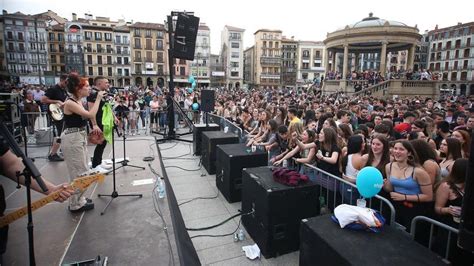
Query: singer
(100, 84)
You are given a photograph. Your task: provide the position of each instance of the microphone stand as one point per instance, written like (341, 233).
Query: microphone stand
(29, 172)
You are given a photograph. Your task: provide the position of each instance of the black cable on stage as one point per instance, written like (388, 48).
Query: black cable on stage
(219, 224)
(188, 170)
(229, 234)
(193, 199)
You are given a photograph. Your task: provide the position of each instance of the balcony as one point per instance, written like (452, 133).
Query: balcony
(121, 42)
(137, 46)
(270, 60)
(234, 38)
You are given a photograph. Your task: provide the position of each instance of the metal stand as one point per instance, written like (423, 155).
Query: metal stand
(29, 172)
(125, 161)
(115, 193)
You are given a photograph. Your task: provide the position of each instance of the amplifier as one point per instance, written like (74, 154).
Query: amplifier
(231, 159)
(10, 112)
(277, 210)
(210, 139)
(197, 135)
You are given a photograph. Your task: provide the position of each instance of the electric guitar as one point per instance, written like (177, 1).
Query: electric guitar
(56, 112)
(78, 184)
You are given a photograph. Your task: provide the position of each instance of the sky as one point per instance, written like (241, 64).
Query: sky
(305, 20)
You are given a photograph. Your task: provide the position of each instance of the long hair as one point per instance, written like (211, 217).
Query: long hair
(466, 146)
(385, 159)
(330, 138)
(423, 150)
(454, 148)
(74, 82)
(413, 159)
(458, 172)
(354, 145)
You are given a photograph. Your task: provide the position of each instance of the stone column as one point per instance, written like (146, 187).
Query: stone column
(383, 58)
(344, 62)
(333, 66)
(357, 62)
(326, 62)
(411, 57)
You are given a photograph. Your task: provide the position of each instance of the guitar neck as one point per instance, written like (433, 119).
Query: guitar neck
(13, 216)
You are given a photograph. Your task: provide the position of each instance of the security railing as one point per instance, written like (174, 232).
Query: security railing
(439, 225)
(225, 123)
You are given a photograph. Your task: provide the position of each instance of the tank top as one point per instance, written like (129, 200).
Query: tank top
(350, 170)
(407, 186)
(74, 120)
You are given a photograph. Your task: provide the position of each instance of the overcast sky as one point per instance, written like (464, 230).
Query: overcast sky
(305, 20)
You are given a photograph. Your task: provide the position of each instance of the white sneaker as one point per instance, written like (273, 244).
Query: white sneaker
(101, 170)
(106, 166)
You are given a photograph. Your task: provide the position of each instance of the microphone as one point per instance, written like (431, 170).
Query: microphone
(109, 94)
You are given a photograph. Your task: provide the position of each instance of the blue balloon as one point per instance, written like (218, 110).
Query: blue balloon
(191, 79)
(190, 90)
(195, 106)
(369, 181)
(194, 84)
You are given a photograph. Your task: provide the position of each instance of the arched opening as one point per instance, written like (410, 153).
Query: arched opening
(120, 82)
(471, 89)
(138, 81)
(463, 88)
(161, 82)
(91, 81)
(149, 82)
(453, 89)
(237, 85)
(127, 82)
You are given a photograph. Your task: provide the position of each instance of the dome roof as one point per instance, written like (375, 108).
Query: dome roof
(372, 21)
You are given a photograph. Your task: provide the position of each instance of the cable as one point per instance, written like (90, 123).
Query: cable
(188, 170)
(179, 156)
(219, 224)
(188, 201)
(229, 234)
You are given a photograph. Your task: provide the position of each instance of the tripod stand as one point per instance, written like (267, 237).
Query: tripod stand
(125, 161)
(115, 193)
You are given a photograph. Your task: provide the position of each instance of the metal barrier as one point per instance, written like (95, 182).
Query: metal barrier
(347, 191)
(433, 223)
(223, 123)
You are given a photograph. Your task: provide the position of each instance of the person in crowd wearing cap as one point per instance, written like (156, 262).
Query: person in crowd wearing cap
(405, 127)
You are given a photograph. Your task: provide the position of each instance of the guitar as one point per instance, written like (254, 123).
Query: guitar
(56, 111)
(78, 184)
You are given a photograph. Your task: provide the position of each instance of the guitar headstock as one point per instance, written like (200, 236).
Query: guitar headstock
(85, 181)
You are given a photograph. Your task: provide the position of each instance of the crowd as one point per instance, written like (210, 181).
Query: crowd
(420, 145)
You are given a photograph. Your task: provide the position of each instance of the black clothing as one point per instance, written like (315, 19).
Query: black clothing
(91, 99)
(4, 230)
(56, 93)
(328, 167)
(74, 120)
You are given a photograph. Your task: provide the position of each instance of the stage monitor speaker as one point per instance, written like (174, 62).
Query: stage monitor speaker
(185, 36)
(10, 111)
(207, 100)
(466, 227)
(210, 140)
(197, 135)
(277, 210)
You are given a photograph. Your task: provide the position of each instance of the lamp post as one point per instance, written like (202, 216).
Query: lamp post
(37, 51)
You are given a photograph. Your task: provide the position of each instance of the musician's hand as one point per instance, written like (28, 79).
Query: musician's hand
(116, 120)
(60, 103)
(101, 94)
(96, 130)
(64, 194)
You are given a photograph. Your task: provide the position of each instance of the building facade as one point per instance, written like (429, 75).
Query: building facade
(309, 62)
(78, 47)
(218, 78)
(122, 63)
(56, 44)
(289, 66)
(3, 56)
(451, 53)
(148, 53)
(421, 53)
(233, 55)
(25, 47)
(268, 58)
(200, 67)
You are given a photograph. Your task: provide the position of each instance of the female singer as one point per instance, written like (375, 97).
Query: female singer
(74, 136)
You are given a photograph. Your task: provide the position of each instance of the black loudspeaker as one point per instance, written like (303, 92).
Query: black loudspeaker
(197, 135)
(466, 227)
(323, 242)
(185, 36)
(207, 100)
(210, 139)
(10, 111)
(231, 159)
(277, 210)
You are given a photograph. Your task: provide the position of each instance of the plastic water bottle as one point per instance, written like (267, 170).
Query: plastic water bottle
(241, 235)
(161, 189)
(285, 163)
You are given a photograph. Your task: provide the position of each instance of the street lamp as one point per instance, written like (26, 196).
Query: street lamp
(37, 51)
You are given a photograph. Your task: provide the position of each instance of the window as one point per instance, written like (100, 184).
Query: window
(89, 47)
(316, 64)
(99, 60)
(20, 36)
(9, 35)
(125, 60)
(119, 60)
(108, 36)
(21, 46)
(160, 69)
(137, 33)
(138, 56)
(159, 57)
(235, 45)
(235, 55)
(100, 72)
(60, 37)
(148, 33)
(118, 39)
(182, 71)
(98, 36)
(305, 53)
(234, 73)
(318, 54)
(88, 35)
(234, 64)
(159, 44)
(138, 43)
(90, 71)
(119, 72)
(109, 60)
(138, 68)
(148, 45)
(127, 72)
(108, 48)
(109, 71)
(305, 65)
(99, 48)
(149, 57)
(32, 45)
(89, 59)
(159, 34)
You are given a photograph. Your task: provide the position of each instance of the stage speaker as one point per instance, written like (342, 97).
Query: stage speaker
(208, 100)
(277, 210)
(210, 139)
(10, 111)
(231, 159)
(197, 135)
(185, 36)
(466, 227)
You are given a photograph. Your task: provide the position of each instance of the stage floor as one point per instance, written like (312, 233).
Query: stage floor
(131, 231)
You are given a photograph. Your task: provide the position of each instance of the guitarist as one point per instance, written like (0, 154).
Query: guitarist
(56, 95)
(9, 165)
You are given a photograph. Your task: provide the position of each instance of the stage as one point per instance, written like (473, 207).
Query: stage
(131, 231)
